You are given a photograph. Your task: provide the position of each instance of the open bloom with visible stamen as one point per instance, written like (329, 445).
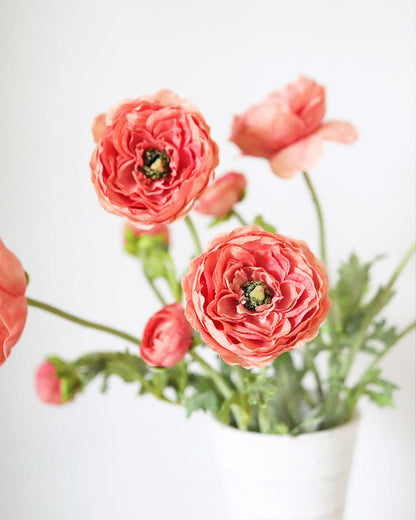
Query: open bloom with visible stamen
(254, 295)
(154, 157)
(288, 129)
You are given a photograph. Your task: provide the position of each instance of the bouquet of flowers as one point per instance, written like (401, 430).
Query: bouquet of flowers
(253, 332)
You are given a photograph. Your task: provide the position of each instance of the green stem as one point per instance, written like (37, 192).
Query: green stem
(215, 376)
(155, 290)
(81, 321)
(194, 235)
(239, 217)
(221, 385)
(172, 279)
(320, 217)
(316, 375)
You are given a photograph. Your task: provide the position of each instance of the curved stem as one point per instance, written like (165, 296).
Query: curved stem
(222, 387)
(194, 235)
(86, 323)
(239, 217)
(320, 217)
(215, 376)
(155, 290)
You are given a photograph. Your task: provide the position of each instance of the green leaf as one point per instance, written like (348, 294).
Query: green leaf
(259, 221)
(312, 422)
(220, 220)
(261, 390)
(206, 401)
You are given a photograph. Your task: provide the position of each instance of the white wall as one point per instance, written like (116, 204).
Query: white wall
(118, 456)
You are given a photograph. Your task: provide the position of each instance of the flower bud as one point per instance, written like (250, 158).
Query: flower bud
(221, 196)
(167, 337)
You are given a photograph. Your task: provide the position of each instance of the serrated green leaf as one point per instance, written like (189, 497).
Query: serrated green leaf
(206, 401)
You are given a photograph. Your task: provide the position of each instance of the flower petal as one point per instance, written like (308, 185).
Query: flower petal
(302, 155)
(338, 131)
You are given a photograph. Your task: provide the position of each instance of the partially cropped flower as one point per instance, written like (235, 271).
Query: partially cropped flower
(288, 129)
(254, 295)
(153, 159)
(48, 384)
(221, 196)
(167, 337)
(13, 304)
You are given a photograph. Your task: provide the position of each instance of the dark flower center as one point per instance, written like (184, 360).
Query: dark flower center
(155, 164)
(256, 293)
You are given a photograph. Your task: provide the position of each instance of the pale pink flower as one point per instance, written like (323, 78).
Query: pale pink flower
(287, 128)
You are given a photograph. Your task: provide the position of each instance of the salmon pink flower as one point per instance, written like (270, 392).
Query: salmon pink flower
(13, 304)
(221, 196)
(288, 129)
(254, 295)
(153, 159)
(167, 337)
(48, 384)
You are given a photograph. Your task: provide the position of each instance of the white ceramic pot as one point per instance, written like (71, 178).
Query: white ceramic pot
(280, 477)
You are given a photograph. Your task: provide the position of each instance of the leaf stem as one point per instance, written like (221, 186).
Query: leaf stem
(80, 321)
(194, 235)
(239, 217)
(155, 290)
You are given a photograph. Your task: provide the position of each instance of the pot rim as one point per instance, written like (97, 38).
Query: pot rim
(289, 438)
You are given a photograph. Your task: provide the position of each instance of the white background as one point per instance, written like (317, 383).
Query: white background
(116, 456)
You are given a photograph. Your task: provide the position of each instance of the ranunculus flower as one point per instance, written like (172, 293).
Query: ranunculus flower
(153, 159)
(221, 196)
(254, 295)
(287, 128)
(48, 384)
(13, 304)
(167, 337)
(157, 230)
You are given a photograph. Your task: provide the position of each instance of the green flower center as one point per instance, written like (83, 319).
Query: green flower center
(256, 293)
(155, 164)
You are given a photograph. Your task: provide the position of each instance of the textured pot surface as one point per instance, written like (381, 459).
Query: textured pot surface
(279, 477)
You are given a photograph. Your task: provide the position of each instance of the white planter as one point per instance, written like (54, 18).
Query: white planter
(280, 477)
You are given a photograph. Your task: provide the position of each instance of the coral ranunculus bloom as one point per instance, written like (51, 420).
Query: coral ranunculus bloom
(221, 196)
(288, 129)
(167, 337)
(13, 304)
(254, 295)
(154, 157)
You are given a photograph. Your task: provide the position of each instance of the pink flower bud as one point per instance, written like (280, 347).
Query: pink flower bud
(48, 384)
(219, 198)
(167, 337)
(157, 229)
(13, 304)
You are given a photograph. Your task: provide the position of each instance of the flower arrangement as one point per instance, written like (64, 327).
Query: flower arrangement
(254, 332)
